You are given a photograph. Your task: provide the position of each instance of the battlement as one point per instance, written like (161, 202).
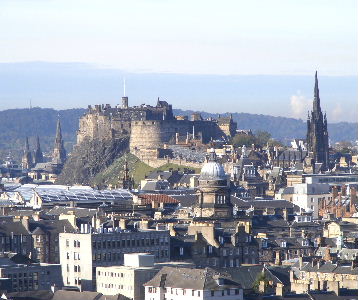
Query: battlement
(149, 127)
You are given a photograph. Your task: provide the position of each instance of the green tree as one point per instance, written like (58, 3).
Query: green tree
(243, 139)
(262, 137)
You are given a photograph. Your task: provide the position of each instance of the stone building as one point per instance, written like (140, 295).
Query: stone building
(317, 133)
(184, 283)
(149, 127)
(25, 275)
(214, 191)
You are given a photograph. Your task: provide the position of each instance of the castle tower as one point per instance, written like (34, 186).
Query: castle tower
(27, 157)
(125, 102)
(317, 133)
(38, 157)
(59, 152)
(214, 191)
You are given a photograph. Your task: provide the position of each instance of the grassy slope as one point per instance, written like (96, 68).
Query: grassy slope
(137, 169)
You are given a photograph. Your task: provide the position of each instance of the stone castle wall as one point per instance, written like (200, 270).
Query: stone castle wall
(149, 127)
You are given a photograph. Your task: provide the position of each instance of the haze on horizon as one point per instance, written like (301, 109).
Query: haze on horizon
(167, 44)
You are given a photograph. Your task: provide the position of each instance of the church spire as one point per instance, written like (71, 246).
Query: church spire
(27, 157)
(59, 152)
(58, 139)
(316, 100)
(38, 153)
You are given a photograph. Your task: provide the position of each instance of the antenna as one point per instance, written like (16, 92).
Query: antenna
(124, 86)
(30, 103)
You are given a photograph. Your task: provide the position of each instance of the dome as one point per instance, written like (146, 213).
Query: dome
(212, 170)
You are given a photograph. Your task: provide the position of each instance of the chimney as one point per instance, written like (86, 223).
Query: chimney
(334, 192)
(354, 198)
(25, 222)
(300, 262)
(327, 254)
(123, 224)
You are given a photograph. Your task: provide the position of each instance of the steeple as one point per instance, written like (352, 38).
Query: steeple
(59, 152)
(316, 100)
(58, 133)
(38, 157)
(317, 133)
(27, 157)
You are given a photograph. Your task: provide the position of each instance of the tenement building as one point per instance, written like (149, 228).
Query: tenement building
(317, 133)
(81, 253)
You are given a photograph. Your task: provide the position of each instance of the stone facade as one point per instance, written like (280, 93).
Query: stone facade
(149, 127)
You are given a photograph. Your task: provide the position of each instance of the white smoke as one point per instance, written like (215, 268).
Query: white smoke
(299, 106)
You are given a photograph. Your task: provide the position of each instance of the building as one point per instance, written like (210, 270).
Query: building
(25, 275)
(184, 283)
(27, 156)
(81, 253)
(310, 196)
(317, 133)
(38, 156)
(59, 152)
(127, 280)
(213, 191)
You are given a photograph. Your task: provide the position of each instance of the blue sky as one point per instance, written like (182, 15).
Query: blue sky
(256, 37)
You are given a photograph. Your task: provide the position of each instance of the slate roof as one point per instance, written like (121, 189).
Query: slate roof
(50, 226)
(78, 211)
(187, 200)
(31, 295)
(8, 226)
(196, 279)
(328, 267)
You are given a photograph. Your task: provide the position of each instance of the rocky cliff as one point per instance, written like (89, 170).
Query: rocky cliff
(90, 158)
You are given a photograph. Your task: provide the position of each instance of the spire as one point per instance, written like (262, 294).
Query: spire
(58, 133)
(27, 147)
(316, 100)
(38, 153)
(59, 152)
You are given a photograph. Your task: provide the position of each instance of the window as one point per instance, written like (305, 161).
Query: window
(212, 293)
(67, 243)
(181, 251)
(210, 249)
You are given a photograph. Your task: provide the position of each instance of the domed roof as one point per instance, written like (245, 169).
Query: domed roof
(212, 170)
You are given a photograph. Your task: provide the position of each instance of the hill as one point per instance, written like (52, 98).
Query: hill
(16, 124)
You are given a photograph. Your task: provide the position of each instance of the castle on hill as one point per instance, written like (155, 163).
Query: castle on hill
(151, 127)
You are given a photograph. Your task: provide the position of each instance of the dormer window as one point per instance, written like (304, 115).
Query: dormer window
(283, 244)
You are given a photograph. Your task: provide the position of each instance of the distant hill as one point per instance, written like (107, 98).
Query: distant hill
(16, 124)
(284, 129)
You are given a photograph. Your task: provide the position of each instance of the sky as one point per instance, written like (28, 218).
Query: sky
(187, 38)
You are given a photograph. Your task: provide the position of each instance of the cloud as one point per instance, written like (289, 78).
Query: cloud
(299, 105)
(337, 113)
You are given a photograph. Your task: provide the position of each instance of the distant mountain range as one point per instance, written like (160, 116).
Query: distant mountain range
(16, 124)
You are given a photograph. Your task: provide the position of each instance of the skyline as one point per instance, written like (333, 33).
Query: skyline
(66, 85)
(240, 56)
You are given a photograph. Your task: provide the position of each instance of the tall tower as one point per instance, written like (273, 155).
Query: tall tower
(317, 133)
(27, 157)
(59, 152)
(214, 191)
(38, 157)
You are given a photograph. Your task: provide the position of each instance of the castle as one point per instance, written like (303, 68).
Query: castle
(150, 128)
